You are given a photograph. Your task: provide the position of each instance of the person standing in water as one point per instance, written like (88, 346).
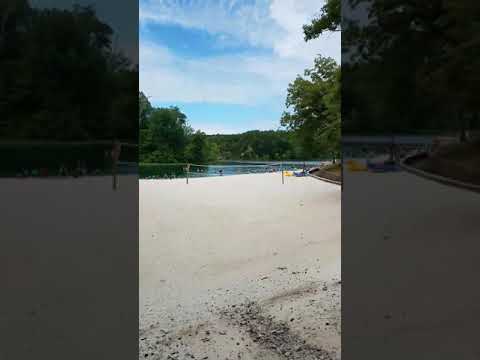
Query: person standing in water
(115, 156)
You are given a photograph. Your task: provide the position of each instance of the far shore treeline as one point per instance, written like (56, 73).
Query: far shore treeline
(166, 137)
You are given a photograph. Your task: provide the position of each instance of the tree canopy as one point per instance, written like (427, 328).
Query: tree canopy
(418, 57)
(258, 145)
(314, 100)
(164, 133)
(329, 19)
(61, 78)
(166, 137)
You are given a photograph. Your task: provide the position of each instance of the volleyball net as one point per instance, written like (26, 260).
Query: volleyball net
(36, 158)
(190, 170)
(47, 159)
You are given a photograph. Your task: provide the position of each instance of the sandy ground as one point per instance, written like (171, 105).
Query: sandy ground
(68, 255)
(410, 265)
(239, 267)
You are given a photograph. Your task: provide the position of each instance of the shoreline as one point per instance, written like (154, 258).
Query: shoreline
(210, 176)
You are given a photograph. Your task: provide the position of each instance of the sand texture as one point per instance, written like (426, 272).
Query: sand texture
(240, 267)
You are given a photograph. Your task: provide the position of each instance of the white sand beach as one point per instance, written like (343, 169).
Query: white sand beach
(59, 285)
(417, 254)
(208, 247)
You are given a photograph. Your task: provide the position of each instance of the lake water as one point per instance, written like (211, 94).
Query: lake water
(162, 171)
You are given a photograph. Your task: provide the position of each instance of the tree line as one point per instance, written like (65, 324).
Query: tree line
(269, 145)
(313, 103)
(62, 78)
(412, 67)
(166, 137)
(312, 121)
(407, 67)
(314, 100)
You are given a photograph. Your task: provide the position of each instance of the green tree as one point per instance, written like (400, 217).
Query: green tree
(330, 19)
(425, 50)
(248, 153)
(213, 151)
(61, 78)
(197, 151)
(313, 101)
(165, 137)
(315, 108)
(257, 145)
(144, 110)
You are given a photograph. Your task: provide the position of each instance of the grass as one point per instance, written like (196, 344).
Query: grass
(457, 161)
(332, 172)
(334, 169)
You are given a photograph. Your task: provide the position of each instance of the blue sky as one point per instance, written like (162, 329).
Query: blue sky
(226, 63)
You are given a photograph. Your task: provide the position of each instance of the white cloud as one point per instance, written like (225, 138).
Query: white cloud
(291, 15)
(233, 79)
(222, 79)
(273, 24)
(246, 22)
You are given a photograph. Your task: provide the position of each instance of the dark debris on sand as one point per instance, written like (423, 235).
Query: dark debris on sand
(273, 335)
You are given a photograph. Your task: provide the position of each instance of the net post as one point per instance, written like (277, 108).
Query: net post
(188, 170)
(115, 154)
(283, 181)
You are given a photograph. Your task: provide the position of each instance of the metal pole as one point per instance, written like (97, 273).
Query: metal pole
(114, 176)
(115, 153)
(188, 170)
(283, 181)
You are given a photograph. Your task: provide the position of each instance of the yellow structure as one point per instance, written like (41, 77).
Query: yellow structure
(353, 165)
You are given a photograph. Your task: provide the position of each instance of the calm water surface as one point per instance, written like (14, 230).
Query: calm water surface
(161, 171)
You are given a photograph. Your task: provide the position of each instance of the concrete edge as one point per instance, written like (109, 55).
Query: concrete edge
(438, 178)
(321, 178)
